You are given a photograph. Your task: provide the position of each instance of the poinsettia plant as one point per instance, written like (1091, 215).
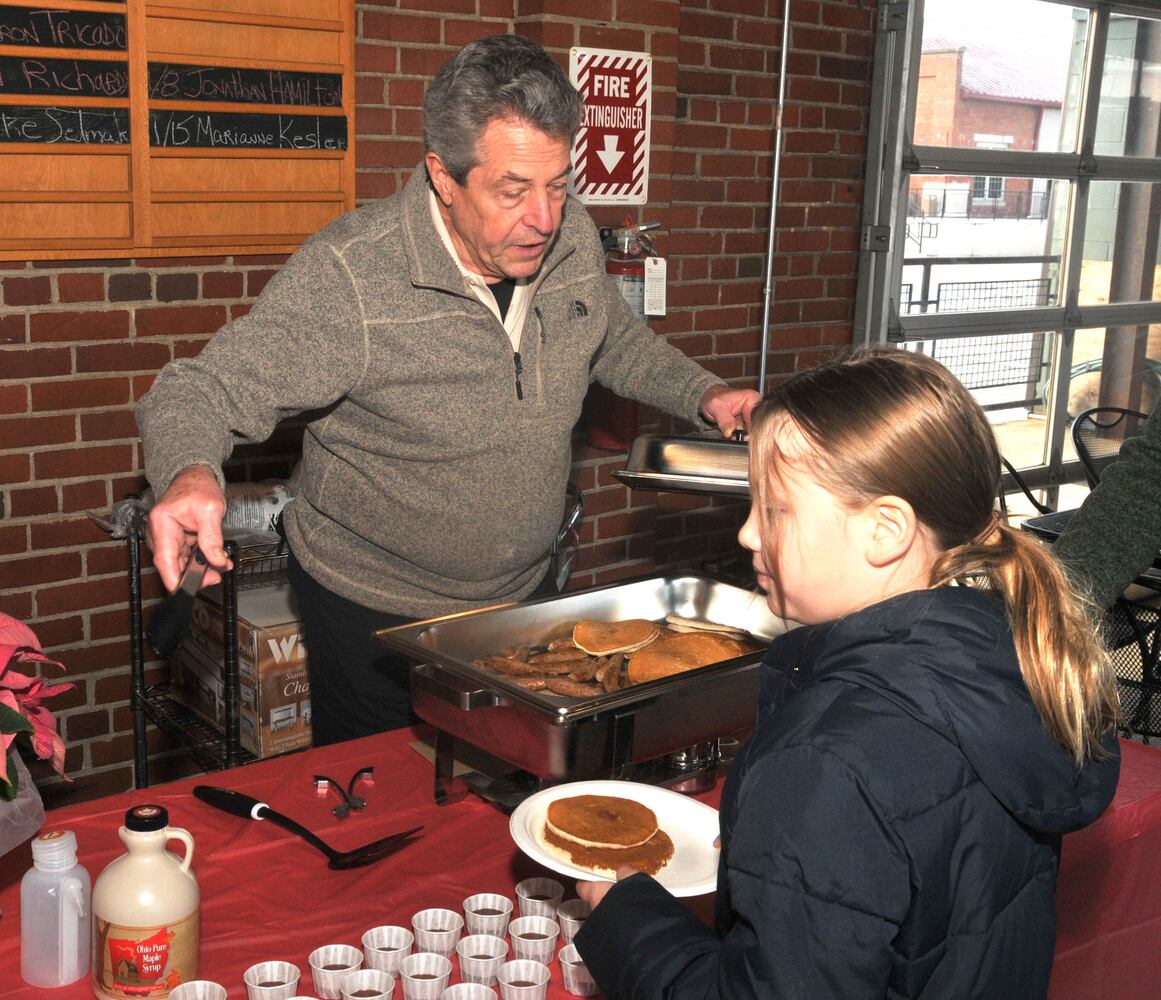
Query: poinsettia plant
(22, 712)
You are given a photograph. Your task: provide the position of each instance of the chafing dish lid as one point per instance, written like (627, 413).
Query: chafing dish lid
(713, 466)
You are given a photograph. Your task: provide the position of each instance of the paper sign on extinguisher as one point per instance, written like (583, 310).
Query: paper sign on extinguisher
(610, 159)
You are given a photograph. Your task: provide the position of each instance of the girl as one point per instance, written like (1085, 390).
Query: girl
(893, 826)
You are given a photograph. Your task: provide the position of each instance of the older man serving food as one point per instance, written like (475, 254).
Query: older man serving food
(443, 340)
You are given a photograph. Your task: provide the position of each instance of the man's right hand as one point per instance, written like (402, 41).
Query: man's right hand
(189, 513)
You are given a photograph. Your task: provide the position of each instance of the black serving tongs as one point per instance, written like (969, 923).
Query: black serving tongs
(172, 618)
(247, 807)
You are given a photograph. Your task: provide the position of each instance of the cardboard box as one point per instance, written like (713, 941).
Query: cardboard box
(274, 691)
(196, 682)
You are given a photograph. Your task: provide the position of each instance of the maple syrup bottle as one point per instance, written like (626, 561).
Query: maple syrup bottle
(145, 912)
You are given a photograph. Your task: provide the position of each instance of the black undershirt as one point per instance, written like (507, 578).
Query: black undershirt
(502, 293)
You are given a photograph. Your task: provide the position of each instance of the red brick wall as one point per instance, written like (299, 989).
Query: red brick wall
(80, 343)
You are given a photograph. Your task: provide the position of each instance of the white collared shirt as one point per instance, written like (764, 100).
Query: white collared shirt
(513, 320)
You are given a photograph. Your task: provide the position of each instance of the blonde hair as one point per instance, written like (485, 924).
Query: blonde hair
(897, 423)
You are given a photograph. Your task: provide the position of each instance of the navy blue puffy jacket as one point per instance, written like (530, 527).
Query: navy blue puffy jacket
(891, 830)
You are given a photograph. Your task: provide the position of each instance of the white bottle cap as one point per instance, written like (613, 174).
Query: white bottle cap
(55, 850)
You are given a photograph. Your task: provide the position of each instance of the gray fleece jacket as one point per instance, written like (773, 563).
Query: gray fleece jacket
(430, 482)
(1115, 534)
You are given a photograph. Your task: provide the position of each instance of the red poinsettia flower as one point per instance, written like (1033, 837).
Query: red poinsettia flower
(21, 697)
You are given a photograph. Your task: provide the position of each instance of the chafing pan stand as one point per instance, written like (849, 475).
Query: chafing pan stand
(689, 771)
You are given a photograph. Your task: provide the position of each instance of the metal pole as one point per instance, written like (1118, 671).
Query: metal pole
(137, 692)
(768, 290)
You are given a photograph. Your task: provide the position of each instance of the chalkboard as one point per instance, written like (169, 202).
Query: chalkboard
(230, 130)
(64, 126)
(64, 77)
(217, 126)
(62, 29)
(178, 82)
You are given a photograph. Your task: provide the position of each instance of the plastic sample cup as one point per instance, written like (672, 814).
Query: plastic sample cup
(368, 984)
(570, 915)
(539, 897)
(469, 991)
(384, 947)
(199, 989)
(577, 978)
(487, 913)
(424, 975)
(437, 930)
(481, 956)
(523, 979)
(330, 965)
(534, 938)
(271, 981)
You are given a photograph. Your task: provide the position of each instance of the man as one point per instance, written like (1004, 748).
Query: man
(445, 337)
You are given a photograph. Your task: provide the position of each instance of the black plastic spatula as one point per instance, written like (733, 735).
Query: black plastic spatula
(172, 618)
(240, 804)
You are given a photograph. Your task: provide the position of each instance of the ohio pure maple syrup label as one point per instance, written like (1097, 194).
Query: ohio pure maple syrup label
(144, 963)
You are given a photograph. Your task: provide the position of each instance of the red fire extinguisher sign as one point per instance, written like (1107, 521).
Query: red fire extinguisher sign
(611, 154)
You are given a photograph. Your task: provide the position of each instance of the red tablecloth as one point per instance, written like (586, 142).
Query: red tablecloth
(266, 894)
(1108, 896)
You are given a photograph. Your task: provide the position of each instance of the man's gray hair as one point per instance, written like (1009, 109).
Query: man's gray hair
(500, 76)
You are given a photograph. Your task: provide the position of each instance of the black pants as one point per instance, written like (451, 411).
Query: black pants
(357, 686)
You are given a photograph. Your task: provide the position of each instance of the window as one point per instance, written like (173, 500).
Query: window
(1011, 224)
(987, 188)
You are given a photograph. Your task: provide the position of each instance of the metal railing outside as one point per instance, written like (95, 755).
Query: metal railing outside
(961, 202)
(1010, 361)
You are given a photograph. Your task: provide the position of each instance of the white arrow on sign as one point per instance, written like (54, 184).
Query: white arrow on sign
(610, 155)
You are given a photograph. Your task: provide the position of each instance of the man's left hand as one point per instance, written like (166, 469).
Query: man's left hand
(729, 408)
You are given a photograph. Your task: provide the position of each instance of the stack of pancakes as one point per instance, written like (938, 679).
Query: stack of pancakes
(601, 833)
(657, 651)
(600, 638)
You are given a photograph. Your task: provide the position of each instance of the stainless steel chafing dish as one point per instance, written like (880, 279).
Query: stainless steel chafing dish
(555, 738)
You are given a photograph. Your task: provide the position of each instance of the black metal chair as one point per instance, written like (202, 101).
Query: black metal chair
(1134, 642)
(1097, 435)
(1131, 625)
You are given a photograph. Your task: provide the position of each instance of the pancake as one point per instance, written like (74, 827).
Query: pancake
(681, 624)
(649, 857)
(681, 652)
(602, 833)
(602, 638)
(601, 820)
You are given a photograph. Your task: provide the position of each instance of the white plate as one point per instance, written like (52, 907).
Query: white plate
(691, 825)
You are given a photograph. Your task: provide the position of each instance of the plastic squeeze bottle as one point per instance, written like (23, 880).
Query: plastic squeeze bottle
(55, 917)
(145, 912)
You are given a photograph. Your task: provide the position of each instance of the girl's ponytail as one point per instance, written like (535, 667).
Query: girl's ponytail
(1062, 658)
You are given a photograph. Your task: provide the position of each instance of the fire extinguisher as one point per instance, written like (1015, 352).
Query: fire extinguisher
(625, 253)
(612, 421)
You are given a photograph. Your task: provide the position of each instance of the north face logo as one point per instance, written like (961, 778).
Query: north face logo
(577, 309)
